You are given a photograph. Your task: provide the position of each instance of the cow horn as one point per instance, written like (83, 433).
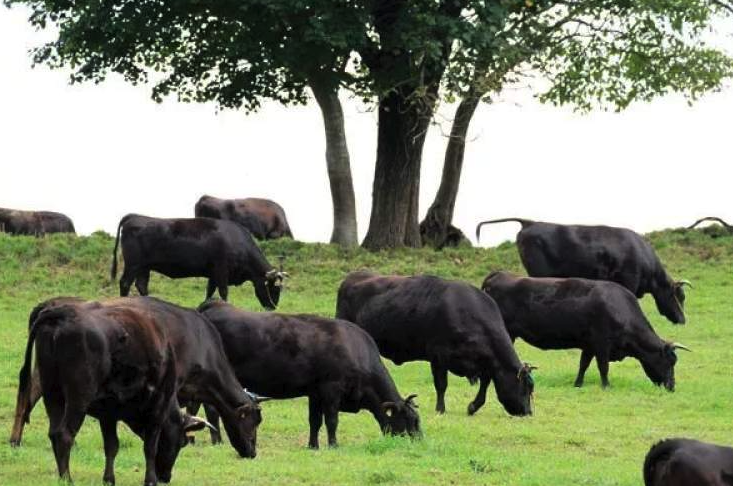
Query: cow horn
(685, 282)
(194, 420)
(680, 346)
(409, 400)
(206, 423)
(257, 398)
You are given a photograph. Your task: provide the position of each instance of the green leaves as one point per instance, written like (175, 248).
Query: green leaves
(237, 53)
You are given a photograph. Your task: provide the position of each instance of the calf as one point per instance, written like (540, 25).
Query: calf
(452, 325)
(265, 219)
(601, 318)
(687, 462)
(128, 360)
(222, 251)
(36, 223)
(600, 253)
(334, 363)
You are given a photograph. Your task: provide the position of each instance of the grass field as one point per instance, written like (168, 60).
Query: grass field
(582, 436)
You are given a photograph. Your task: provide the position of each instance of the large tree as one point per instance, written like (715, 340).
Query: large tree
(588, 54)
(403, 56)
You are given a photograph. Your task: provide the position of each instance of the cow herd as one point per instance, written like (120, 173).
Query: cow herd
(144, 361)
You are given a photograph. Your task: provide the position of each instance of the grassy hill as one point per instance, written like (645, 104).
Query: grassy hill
(582, 436)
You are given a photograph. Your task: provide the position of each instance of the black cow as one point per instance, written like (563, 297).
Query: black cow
(334, 363)
(264, 218)
(128, 360)
(222, 251)
(599, 253)
(453, 325)
(687, 462)
(36, 223)
(601, 318)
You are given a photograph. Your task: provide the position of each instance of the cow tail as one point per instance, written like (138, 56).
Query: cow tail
(709, 218)
(25, 371)
(659, 453)
(523, 222)
(113, 270)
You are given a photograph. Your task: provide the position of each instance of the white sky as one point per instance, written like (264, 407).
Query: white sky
(97, 152)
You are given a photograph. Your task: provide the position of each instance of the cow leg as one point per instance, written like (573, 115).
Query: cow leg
(141, 282)
(315, 419)
(585, 358)
(150, 448)
(331, 414)
(128, 276)
(220, 277)
(111, 446)
(62, 438)
(602, 362)
(210, 288)
(24, 406)
(480, 399)
(440, 380)
(213, 417)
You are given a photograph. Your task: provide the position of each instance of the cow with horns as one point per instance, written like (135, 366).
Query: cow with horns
(601, 318)
(130, 360)
(334, 363)
(599, 253)
(222, 251)
(452, 325)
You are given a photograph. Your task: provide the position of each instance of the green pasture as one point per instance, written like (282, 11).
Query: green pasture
(582, 436)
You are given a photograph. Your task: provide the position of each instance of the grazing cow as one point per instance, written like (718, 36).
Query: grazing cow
(599, 253)
(334, 363)
(222, 251)
(265, 219)
(36, 223)
(452, 325)
(129, 360)
(601, 318)
(687, 462)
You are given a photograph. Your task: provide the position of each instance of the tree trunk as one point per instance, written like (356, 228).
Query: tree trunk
(436, 229)
(339, 166)
(402, 128)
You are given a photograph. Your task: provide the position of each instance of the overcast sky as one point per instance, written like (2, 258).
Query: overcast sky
(97, 152)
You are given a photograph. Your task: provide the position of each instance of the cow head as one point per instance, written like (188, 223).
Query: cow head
(659, 365)
(173, 439)
(402, 417)
(268, 293)
(671, 301)
(515, 389)
(241, 425)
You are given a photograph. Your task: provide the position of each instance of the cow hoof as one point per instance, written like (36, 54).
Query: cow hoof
(313, 447)
(578, 384)
(471, 408)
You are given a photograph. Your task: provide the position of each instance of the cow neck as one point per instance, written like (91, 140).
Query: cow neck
(260, 266)
(647, 342)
